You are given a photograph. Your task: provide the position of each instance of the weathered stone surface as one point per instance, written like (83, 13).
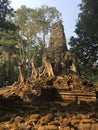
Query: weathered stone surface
(94, 126)
(56, 123)
(19, 119)
(65, 128)
(57, 52)
(51, 127)
(60, 119)
(46, 119)
(41, 103)
(34, 116)
(57, 36)
(86, 126)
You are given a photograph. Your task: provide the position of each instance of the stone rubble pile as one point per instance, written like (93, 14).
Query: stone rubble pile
(48, 115)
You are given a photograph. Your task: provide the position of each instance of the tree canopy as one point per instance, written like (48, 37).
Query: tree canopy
(8, 44)
(23, 36)
(34, 27)
(85, 45)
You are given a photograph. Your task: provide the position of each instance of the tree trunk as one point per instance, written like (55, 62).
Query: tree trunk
(22, 75)
(48, 68)
(34, 73)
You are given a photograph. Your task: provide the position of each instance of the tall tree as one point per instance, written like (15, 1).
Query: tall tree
(8, 44)
(34, 25)
(46, 16)
(85, 45)
(25, 19)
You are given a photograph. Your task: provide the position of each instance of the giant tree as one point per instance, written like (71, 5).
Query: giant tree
(46, 16)
(25, 19)
(34, 25)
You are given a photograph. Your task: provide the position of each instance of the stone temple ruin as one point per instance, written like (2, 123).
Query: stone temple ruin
(55, 97)
(67, 82)
(57, 52)
(57, 78)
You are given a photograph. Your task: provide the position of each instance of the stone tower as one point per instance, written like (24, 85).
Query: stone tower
(57, 36)
(57, 53)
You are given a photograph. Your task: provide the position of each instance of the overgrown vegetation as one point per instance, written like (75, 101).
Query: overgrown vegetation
(24, 35)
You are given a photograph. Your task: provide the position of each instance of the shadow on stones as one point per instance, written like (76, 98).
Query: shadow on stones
(48, 102)
(50, 94)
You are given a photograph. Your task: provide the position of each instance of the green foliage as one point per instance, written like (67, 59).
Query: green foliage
(23, 37)
(85, 45)
(37, 54)
(6, 13)
(34, 28)
(9, 57)
(8, 45)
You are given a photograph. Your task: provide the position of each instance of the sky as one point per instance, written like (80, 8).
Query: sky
(68, 8)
